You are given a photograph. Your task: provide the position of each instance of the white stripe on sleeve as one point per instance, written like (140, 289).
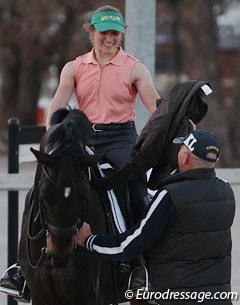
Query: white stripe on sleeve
(136, 233)
(89, 242)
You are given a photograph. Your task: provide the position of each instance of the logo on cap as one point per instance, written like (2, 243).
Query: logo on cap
(113, 18)
(106, 21)
(190, 141)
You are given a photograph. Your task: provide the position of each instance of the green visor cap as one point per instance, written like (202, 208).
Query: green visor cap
(106, 21)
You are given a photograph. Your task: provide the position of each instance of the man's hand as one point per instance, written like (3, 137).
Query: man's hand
(82, 234)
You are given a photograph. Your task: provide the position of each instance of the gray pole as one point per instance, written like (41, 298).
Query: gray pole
(13, 167)
(140, 16)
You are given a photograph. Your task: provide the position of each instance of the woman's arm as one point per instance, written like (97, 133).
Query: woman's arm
(64, 90)
(142, 80)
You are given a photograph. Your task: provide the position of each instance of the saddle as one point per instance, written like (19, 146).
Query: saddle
(115, 200)
(118, 198)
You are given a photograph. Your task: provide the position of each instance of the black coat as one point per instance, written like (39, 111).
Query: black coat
(154, 147)
(194, 252)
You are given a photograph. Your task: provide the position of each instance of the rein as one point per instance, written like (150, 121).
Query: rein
(35, 237)
(49, 227)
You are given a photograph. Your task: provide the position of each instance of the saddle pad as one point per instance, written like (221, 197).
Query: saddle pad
(116, 211)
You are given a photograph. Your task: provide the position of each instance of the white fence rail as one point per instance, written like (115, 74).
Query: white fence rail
(15, 182)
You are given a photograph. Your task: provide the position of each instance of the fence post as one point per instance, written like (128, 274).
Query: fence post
(13, 167)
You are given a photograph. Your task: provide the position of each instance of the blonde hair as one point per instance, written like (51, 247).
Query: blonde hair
(106, 8)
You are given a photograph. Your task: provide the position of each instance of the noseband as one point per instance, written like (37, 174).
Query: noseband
(64, 231)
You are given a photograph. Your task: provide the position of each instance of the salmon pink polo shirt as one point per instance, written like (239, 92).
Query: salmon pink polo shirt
(106, 94)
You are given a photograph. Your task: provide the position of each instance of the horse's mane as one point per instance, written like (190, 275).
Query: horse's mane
(71, 132)
(72, 123)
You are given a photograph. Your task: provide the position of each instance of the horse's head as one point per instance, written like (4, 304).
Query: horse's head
(63, 185)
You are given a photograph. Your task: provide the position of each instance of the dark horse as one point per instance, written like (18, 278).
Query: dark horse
(65, 194)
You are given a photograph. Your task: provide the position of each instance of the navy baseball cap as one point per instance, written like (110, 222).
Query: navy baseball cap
(200, 143)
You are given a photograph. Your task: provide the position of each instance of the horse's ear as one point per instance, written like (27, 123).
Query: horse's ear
(92, 159)
(43, 158)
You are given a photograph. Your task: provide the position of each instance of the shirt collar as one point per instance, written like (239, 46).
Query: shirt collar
(194, 174)
(89, 58)
(117, 60)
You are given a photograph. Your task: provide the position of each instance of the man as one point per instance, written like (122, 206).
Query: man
(186, 229)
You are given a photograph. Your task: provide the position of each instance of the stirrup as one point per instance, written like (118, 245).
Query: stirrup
(19, 296)
(16, 294)
(146, 280)
(12, 267)
(10, 291)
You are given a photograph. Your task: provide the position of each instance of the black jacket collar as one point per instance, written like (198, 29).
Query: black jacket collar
(200, 173)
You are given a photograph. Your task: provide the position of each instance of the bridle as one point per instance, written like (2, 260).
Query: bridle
(57, 230)
(47, 226)
(66, 231)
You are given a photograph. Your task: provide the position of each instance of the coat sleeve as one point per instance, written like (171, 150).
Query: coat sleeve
(182, 103)
(130, 244)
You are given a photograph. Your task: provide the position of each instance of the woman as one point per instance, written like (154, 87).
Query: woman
(106, 82)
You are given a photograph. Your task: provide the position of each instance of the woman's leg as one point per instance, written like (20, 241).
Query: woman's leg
(118, 148)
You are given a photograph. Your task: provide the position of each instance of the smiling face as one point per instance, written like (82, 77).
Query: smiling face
(107, 42)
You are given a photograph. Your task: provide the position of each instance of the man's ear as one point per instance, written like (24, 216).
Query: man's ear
(186, 156)
(43, 158)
